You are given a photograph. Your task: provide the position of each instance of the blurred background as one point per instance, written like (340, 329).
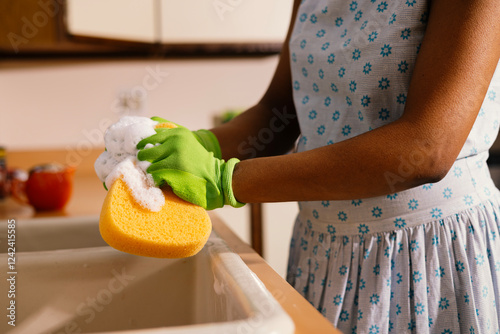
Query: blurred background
(70, 68)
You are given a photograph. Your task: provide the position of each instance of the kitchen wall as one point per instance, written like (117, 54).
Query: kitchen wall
(76, 96)
(68, 103)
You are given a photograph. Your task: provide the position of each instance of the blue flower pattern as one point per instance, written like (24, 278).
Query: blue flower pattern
(352, 62)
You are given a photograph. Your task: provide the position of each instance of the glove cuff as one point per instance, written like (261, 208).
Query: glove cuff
(227, 184)
(209, 141)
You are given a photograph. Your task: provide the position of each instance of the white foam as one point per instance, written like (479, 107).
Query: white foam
(141, 184)
(123, 136)
(120, 160)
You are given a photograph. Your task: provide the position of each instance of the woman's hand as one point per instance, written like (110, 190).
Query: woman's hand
(193, 173)
(204, 137)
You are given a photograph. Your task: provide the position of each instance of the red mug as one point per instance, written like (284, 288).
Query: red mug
(48, 187)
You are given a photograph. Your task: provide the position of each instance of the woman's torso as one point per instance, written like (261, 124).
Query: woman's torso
(351, 67)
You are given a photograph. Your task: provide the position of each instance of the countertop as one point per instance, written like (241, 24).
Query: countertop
(88, 195)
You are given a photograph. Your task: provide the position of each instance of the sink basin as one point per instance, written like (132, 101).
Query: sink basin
(97, 289)
(41, 234)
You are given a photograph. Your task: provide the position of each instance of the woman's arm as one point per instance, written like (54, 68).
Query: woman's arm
(270, 127)
(456, 62)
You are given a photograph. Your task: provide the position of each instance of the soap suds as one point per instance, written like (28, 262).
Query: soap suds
(141, 184)
(120, 160)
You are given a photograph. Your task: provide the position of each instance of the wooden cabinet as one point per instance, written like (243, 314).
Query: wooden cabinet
(28, 25)
(143, 26)
(38, 26)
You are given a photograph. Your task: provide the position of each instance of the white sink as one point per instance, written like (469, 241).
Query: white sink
(62, 289)
(41, 234)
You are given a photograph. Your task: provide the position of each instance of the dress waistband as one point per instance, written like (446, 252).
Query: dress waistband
(467, 184)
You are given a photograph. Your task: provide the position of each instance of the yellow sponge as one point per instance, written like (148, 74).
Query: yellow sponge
(179, 230)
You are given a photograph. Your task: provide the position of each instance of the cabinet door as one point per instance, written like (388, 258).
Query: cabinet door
(127, 20)
(224, 21)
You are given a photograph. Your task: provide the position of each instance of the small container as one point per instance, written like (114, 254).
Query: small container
(47, 187)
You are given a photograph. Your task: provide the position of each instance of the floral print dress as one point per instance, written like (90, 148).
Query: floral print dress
(424, 260)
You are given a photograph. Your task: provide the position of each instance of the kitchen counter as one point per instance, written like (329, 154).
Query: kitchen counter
(87, 198)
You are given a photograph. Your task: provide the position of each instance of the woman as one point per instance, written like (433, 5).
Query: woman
(396, 104)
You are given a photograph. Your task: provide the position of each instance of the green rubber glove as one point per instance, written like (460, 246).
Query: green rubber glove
(193, 172)
(204, 137)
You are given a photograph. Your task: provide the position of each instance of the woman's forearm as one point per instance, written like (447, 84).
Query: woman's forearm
(271, 126)
(376, 163)
(260, 131)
